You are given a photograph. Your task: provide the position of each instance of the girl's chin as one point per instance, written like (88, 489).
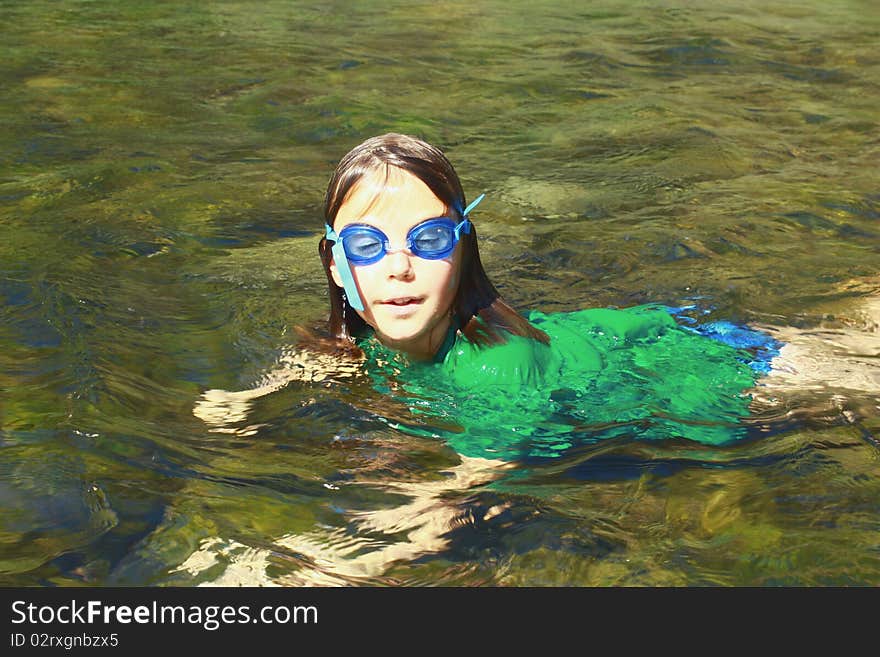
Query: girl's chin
(400, 327)
(411, 339)
(411, 334)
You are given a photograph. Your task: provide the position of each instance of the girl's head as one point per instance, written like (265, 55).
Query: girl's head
(431, 277)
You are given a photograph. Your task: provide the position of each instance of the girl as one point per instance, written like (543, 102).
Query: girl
(407, 288)
(413, 310)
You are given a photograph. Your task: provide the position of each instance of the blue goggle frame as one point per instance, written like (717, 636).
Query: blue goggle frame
(343, 256)
(365, 244)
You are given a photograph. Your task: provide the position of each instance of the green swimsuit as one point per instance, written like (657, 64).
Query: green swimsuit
(632, 372)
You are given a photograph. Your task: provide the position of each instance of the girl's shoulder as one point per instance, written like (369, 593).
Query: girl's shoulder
(617, 325)
(578, 341)
(518, 361)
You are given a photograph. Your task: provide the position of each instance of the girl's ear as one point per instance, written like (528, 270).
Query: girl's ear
(334, 272)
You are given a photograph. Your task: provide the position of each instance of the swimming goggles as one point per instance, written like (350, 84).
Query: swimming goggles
(360, 244)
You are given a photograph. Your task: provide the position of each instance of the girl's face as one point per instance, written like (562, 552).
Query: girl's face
(407, 300)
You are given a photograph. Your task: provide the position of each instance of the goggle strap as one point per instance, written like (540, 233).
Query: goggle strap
(348, 283)
(473, 204)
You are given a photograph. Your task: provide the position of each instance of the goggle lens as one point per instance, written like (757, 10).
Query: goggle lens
(362, 244)
(433, 241)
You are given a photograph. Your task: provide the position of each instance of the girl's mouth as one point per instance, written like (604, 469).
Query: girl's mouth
(403, 301)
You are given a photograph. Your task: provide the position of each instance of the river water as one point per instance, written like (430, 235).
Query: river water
(162, 167)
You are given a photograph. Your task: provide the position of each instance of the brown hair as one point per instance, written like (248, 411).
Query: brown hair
(478, 309)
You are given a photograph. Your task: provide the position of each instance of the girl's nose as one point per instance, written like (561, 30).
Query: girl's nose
(399, 263)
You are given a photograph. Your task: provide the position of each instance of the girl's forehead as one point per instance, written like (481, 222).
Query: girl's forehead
(389, 201)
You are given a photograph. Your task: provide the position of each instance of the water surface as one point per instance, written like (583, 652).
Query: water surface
(161, 173)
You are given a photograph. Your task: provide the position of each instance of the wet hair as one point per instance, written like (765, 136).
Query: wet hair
(478, 309)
